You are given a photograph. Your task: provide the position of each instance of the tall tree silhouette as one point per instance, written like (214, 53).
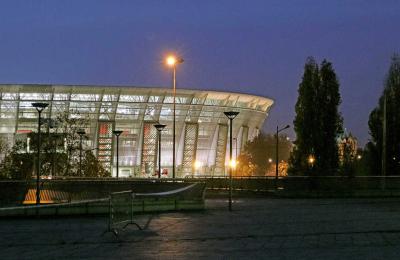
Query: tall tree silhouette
(376, 120)
(318, 122)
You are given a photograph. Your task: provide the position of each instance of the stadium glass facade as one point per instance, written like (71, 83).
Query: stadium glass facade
(202, 136)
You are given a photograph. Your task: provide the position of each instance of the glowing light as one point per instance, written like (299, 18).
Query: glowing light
(233, 163)
(270, 160)
(311, 159)
(171, 60)
(359, 157)
(197, 164)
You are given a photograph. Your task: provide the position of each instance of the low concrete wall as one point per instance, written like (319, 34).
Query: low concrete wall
(13, 193)
(155, 196)
(69, 190)
(101, 207)
(302, 186)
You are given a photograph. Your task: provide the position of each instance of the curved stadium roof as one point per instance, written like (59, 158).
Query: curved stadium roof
(199, 117)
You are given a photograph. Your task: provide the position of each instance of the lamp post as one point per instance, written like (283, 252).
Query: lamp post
(39, 107)
(172, 61)
(230, 115)
(384, 144)
(236, 141)
(53, 142)
(81, 133)
(277, 152)
(159, 128)
(117, 133)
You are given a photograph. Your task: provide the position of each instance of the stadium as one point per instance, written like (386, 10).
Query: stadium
(202, 136)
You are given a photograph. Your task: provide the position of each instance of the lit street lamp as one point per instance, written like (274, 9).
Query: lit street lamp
(117, 133)
(277, 151)
(39, 107)
(230, 115)
(311, 160)
(159, 128)
(81, 133)
(172, 61)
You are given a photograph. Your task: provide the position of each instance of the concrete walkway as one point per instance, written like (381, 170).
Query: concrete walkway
(257, 228)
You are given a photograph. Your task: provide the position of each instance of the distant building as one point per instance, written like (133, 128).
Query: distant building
(347, 144)
(201, 126)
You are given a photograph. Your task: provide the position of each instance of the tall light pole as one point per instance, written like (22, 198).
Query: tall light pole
(236, 141)
(172, 61)
(384, 129)
(159, 128)
(39, 107)
(53, 142)
(117, 133)
(81, 133)
(277, 152)
(230, 115)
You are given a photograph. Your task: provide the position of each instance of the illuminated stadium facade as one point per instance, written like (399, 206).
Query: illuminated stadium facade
(202, 138)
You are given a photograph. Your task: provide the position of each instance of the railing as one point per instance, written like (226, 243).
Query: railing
(14, 192)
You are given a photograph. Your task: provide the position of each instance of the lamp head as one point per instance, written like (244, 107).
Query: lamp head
(117, 132)
(173, 60)
(40, 106)
(231, 114)
(159, 127)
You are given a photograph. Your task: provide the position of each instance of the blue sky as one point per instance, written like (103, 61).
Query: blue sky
(256, 47)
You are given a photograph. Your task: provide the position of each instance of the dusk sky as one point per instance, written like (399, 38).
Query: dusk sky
(254, 47)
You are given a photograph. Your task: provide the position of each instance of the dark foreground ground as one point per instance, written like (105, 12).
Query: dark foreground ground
(256, 229)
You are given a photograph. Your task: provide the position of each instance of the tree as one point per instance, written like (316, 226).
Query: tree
(317, 123)
(3, 146)
(17, 164)
(92, 167)
(259, 154)
(392, 94)
(60, 150)
(69, 126)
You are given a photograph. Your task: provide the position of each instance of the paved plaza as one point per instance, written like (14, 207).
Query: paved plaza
(256, 229)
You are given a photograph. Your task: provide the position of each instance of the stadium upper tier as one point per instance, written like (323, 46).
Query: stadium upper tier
(201, 126)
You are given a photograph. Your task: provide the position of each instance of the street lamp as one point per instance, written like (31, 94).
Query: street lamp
(311, 160)
(81, 133)
(172, 61)
(277, 151)
(39, 107)
(159, 128)
(230, 115)
(117, 133)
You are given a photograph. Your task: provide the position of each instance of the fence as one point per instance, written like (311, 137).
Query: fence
(13, 192)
